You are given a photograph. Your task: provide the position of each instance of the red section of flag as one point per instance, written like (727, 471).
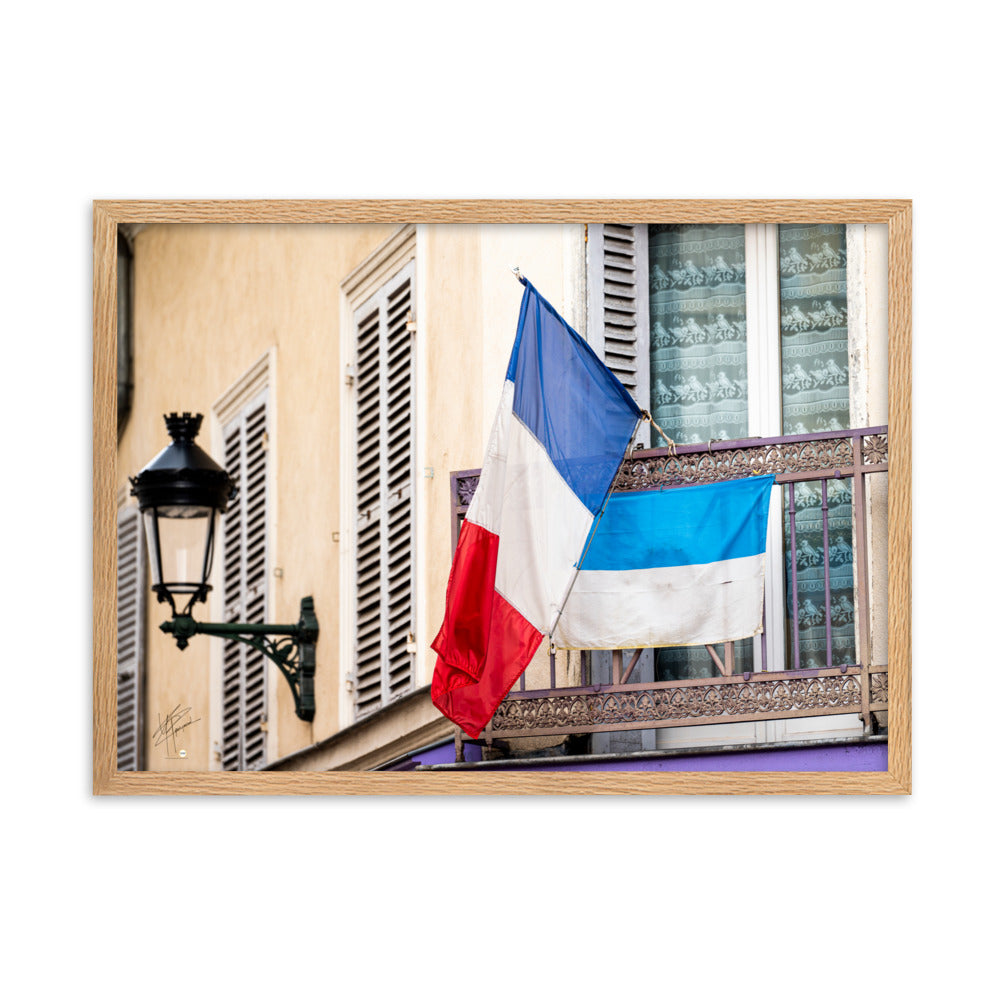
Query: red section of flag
(484, 644)
(464, 635)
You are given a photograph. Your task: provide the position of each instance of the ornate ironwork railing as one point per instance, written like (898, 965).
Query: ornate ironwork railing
(830, 688)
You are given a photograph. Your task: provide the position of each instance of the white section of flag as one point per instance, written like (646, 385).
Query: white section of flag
(544, 526)
(664, 606)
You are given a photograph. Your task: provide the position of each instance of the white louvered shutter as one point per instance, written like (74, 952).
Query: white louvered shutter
(618, 305)
(384, 410)
(131, 636)
(618, 330)
(244, 540)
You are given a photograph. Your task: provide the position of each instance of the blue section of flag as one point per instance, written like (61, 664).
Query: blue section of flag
(569, 400)
(686, 526)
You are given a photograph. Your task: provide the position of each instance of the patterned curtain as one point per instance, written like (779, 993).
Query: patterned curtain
(698, 364)
(697, 336)
(810, 580)
(813, 263)
(815, 397)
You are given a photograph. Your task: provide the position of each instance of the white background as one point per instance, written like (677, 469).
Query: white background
(713, 897)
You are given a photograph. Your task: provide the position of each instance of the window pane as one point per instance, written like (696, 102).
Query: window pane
(813, 287)
(807, 601)
(697, 320)
(815, 397)
(676, 663)
(698, 366)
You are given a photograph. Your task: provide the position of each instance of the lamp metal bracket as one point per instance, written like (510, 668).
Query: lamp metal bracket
(292, 648)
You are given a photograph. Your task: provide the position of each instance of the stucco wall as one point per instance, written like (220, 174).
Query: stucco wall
(210, 301)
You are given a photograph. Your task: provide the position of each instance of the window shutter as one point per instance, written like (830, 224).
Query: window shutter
(618, 330)
(384, 496)
(368, 608)
(244, 670)
(618, 305)
(399, 492)
(131, 636)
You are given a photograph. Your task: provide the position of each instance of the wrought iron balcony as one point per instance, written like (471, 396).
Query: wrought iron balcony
(816, 471)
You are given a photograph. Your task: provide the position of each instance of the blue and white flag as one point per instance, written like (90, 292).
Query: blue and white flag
(672, 567)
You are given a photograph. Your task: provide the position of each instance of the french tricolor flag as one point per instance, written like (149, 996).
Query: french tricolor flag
(562, 428)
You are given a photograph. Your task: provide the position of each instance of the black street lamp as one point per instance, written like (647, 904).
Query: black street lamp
(180, 494)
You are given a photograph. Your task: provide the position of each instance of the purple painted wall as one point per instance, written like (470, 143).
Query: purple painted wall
(851, 757)
(859, 757)
(443, 754)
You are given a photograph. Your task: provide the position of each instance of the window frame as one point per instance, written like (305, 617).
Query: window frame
(255, 387)
(385, 270)
(764, 418)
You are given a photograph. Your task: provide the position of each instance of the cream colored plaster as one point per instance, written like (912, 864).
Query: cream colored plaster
(209, 302)
(405, 725)
(538, 251)
(450, 345)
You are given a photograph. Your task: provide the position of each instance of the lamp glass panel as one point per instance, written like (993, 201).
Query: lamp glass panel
(183, 534)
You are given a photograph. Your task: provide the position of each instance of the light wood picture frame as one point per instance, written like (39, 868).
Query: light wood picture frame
(109, 215)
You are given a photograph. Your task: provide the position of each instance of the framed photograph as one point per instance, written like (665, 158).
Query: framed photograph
(497, 497)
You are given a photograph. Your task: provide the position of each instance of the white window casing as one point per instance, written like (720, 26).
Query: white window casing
(618, 330)
(379, 498)
(244, 692)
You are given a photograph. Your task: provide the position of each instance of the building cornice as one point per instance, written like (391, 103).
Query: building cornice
(406, 725)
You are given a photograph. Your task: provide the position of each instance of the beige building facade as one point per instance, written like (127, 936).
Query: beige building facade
(224, 314)
(344, 372)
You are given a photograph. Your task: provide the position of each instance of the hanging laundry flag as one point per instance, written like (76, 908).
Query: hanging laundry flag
(672, 567)
(560, 433)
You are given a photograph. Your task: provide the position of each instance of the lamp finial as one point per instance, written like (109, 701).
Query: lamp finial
(183, 426)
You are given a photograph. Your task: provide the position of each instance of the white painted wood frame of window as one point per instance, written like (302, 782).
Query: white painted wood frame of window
(380, 502)
(617, 266)
(243, 689)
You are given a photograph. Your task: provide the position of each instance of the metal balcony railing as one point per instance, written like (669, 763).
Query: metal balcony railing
(813, 469)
